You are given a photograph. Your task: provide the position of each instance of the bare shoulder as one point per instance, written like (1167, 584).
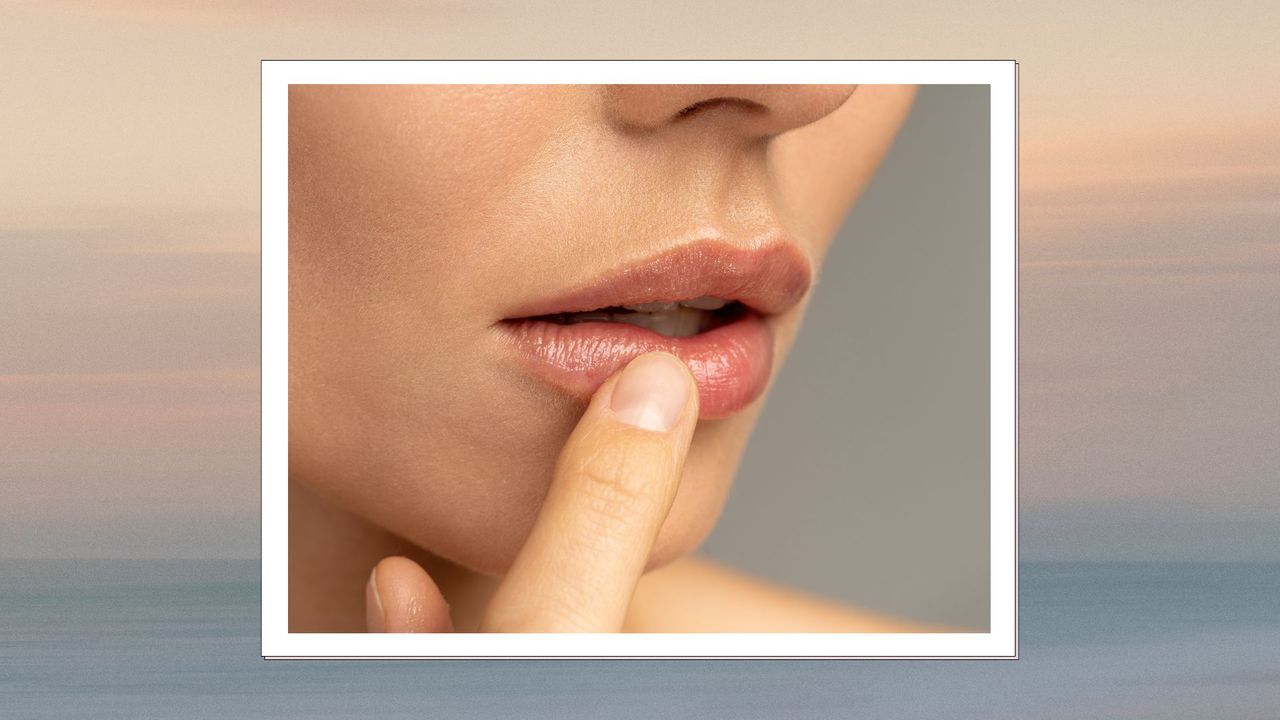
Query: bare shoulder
(697, 595)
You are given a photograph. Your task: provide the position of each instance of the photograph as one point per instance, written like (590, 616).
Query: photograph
(662, 359)
(532, 330)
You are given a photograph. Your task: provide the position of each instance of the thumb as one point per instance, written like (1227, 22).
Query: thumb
(401, 598)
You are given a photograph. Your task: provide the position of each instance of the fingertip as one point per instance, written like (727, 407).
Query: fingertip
(401, 597)
(654, 392)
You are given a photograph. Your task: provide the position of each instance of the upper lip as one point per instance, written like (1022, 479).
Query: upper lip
(769, 279)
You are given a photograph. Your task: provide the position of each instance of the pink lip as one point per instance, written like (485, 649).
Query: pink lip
(731, 363)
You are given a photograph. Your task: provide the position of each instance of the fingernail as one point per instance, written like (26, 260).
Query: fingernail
(373, 617)
(651, 393)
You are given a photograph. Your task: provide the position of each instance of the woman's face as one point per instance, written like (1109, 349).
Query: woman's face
(446, 247)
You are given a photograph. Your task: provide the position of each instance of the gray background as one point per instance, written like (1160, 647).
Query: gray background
(867, 477)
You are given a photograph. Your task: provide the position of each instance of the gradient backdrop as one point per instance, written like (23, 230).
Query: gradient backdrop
(1150, 276)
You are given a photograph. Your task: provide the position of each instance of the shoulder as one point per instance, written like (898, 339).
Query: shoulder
(696, 595)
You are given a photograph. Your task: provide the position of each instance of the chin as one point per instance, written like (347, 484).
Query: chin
(488, 539)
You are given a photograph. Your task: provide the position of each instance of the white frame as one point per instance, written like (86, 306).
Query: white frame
(1001, 642)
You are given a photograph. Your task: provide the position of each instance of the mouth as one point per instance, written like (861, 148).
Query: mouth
(709, 303)
(678, 318)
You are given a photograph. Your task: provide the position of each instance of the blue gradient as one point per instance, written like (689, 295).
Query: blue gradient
(161, 639)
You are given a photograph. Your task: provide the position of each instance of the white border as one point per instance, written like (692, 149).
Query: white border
(1000, 642)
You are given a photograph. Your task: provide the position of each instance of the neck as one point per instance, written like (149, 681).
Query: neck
(332, 552)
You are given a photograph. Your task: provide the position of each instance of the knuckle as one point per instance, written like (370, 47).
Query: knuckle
(617, 483)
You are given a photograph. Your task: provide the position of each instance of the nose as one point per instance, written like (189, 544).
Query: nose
(749, 111)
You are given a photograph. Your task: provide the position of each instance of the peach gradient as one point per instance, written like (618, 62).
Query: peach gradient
(128, 236)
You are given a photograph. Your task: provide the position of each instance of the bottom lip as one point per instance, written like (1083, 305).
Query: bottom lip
(730, 363)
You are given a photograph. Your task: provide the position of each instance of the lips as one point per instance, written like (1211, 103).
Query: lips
(560, 340)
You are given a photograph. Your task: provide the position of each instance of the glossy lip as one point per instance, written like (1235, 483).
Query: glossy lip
(731, 363)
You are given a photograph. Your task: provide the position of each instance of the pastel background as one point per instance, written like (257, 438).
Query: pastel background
(1150, 418)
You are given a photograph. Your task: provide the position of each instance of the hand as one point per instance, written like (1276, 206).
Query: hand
(613, 485)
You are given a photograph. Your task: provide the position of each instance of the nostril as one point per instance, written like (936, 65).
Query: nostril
(737, 103)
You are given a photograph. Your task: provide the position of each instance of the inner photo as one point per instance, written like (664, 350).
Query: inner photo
(532, 329)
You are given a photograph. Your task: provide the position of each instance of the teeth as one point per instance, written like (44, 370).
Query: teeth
(680, 322)
(672, 319)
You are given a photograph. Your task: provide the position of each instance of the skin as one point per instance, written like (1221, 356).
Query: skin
(419, 217)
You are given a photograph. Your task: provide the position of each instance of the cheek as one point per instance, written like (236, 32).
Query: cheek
(394, 191)
(441, 449)
(391, 411)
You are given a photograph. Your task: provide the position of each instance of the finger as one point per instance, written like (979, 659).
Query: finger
(614, 483)
(401, 598)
